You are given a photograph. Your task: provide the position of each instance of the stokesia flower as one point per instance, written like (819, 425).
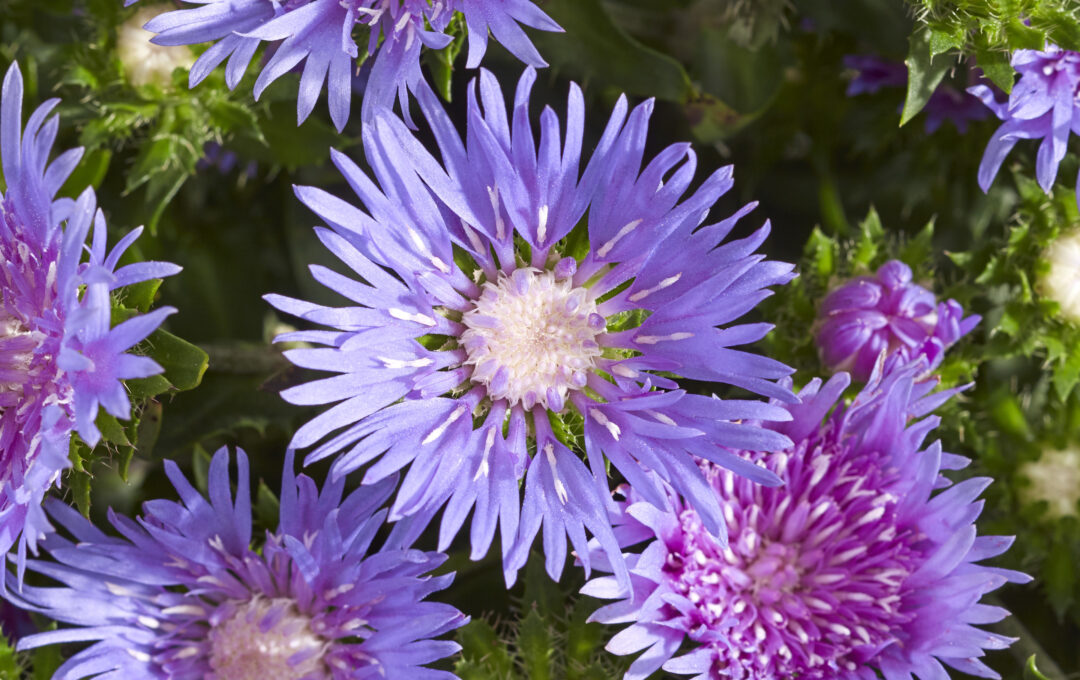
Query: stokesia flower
(886, 312)
(320, 33)
(184, 596)
(853, 568)
(59, 358)
(1043, 105)
(489, 337)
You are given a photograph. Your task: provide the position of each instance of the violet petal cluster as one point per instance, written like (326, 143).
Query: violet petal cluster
(854, 567)
(182, 595)
(1043, 105)
(60, 357)
(478, 328)
(887, 313)
(319, 33)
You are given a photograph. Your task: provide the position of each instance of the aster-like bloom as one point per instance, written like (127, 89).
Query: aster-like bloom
(59, 358)
(886, 312)
(320, 33)
(1061, 281)
(183, 596)
(853, 567)
(1042, 105)
(489, 337)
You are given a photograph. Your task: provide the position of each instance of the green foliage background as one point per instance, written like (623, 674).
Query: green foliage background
(757, 83)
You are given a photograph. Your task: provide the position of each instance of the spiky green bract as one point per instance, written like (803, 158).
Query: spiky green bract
(991, 29)
(546, 637)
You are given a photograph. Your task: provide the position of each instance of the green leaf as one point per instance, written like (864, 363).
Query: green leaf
(995, 64)
(1024, 37)
(140, 296)
(480, 645)
(924, 74)
(111, 429)
(184, 363)
(535, 646)
(593, 46)
(946, 38)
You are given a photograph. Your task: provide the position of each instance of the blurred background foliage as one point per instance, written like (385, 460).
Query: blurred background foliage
(759, 83)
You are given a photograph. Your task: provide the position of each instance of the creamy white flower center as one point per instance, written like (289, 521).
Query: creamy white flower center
(532, 338)
(17, 345)
(1054, 478)
(143, 61)
(267, 640)
(1062, 281)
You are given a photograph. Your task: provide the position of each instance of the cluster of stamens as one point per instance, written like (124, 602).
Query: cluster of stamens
(812, 572)
(266, 639)
(532, 338)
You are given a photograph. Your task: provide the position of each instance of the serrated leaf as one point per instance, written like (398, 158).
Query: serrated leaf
(481, 645)
(111, 429)
(924, 74)
(534, 646)
(995, 64)
(945, 37)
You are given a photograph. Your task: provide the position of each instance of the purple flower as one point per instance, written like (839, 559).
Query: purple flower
(183, 596)
(945, 104)
(320, 33)
(1043, 105)
(853, 567)
(873, 73)
(59, 358)
(489, 337)
(887, 313)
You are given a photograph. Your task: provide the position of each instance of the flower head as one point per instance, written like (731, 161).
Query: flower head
(183, 596)
(144, 62)
(1061, 282)
(489, 336)
(853, 567)
(1043, 105)
(320, 33)
(59, 358)
(886, 312)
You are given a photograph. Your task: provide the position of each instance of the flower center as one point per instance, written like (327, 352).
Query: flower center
(17, 345)
(532, 338)
(267, 640)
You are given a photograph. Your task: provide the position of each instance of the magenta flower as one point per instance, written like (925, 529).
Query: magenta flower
(887, 313)
(854, 567)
